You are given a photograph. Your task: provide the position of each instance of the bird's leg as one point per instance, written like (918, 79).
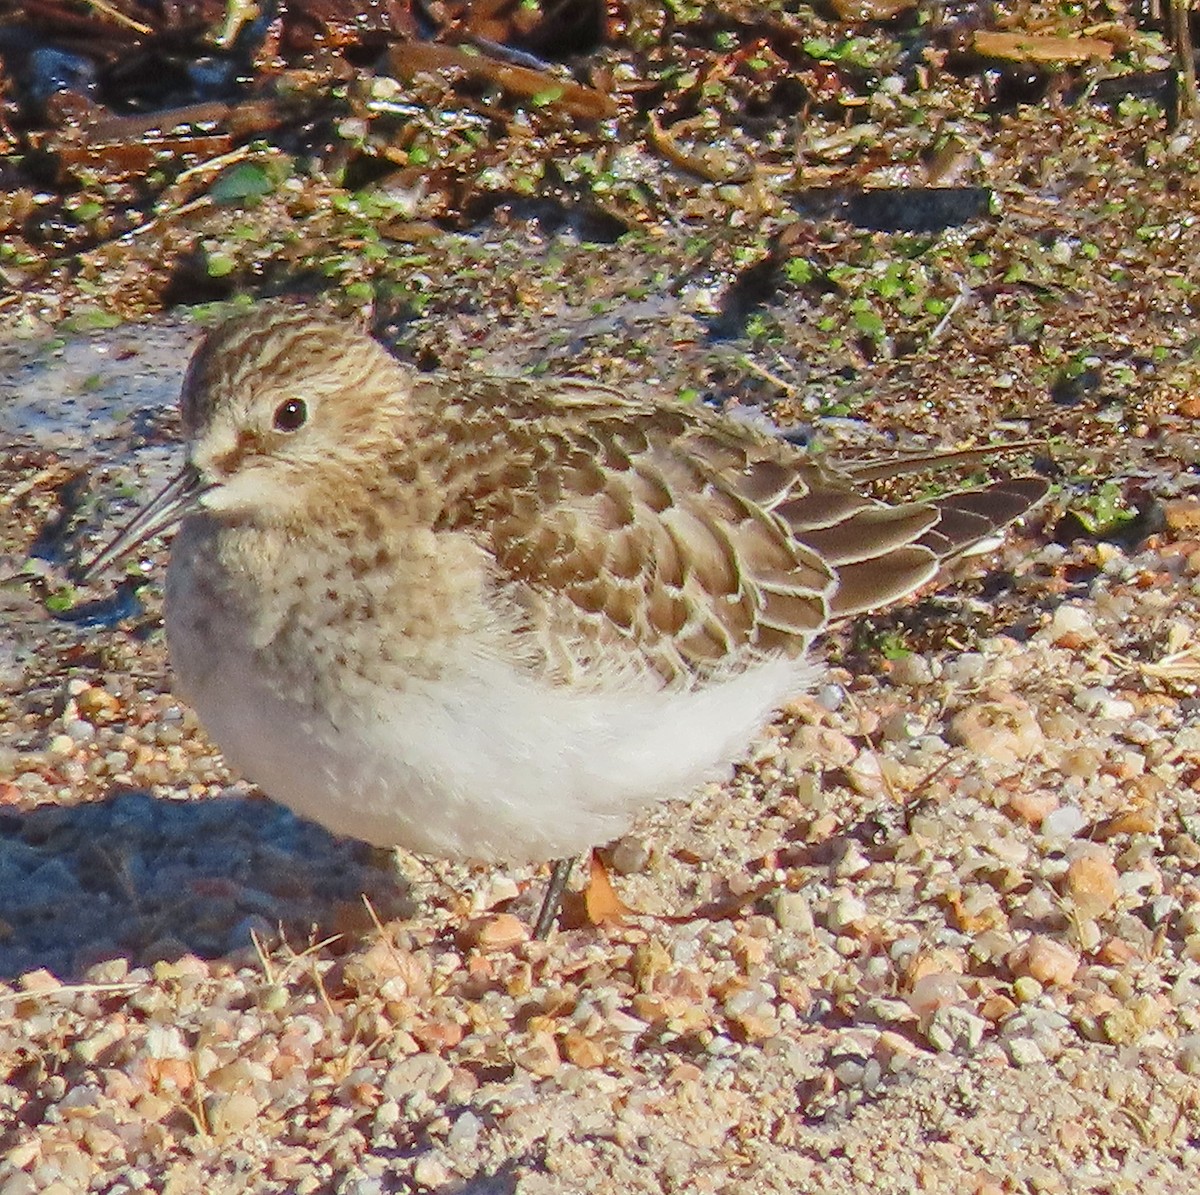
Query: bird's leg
(560, 872)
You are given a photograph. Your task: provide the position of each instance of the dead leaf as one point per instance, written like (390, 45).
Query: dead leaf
(411, 58)
(871, 10)
(1039, 47)
(602, 905)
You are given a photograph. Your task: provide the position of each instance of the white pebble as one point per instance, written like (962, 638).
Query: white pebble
(430, 1171)
(1100, 703)
(1071, 620)
(1187, 1057)
(966, 669)
(846, 911)
(793, 912)
(830, 697)
(1064, 822)
(1023, 1051)
(911, 670)
(465, 1132)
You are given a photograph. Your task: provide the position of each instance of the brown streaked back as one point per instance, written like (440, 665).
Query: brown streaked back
(705, 544)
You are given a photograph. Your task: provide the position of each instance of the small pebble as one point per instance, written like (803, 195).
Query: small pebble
(966, 670)
(1074, 621)
(793, 912)
(431, 1172)
(900, 726)
(231, 1114)
(845, 912)
(540, 1056)
(912, 670)
(1024, 1052)
(631, 855)
(1046, 960)
(1003, 731)
(1187, 1054)
(501, 931)
(830, 697)
(465, 1131)
(1092, 883)
(1064, 822)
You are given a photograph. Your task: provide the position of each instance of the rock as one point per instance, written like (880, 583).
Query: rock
(630, 855)
(911, 670)
(426, 1073)
(500, 931)
(821, 746)
(793, 912)
(864, 773)
(540, 1056)
(851, 861)
(934, 992)
(871, 10)
(900, 726)
(464, 1134)
(97, 705)
(1023, 1051)
(1100, 703)
(1027, 989)
(1064, 822)
(1187, 1054)
(430, 1171)
(1049, 962)
(1074, 622)
(967, 670)
(581, 1050)
(845, 912)
(1003, 731)
(1092, 883)
(1032, 807)
(231, 1114)
(955, 1029)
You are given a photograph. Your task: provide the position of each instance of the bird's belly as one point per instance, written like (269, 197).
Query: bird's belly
(484, 761)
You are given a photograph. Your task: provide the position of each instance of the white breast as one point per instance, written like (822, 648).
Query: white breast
(483, 763)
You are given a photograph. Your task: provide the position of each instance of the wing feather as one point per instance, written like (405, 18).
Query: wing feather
(695, 543)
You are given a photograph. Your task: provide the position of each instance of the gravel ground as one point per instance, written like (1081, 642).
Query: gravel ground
(940, 931)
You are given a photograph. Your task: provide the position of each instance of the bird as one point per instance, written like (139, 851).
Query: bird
(500, 618)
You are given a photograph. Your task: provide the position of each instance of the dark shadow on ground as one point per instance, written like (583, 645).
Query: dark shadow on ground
(147, 879)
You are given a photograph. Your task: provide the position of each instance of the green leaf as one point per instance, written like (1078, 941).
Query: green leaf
(92, 319)
(892, 647)
(61, 600)
(799, 271)
(246, 180)
(1106, 513)
(218, 266)
(868, 322)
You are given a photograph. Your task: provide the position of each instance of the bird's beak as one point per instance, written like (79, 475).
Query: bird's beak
(177, 498)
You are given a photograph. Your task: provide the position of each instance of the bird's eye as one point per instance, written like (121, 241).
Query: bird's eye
(290, 415)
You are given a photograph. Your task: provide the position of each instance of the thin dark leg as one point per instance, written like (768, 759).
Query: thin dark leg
(560, 872)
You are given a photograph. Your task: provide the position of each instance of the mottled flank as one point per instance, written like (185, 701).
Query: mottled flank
(495, 617)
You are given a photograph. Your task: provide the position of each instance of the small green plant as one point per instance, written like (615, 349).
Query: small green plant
(61, 600)
(870, 639)
(891, 646)
(1104, 513)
